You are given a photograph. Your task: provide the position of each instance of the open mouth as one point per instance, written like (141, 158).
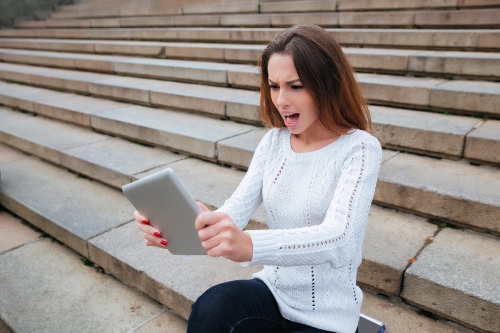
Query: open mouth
(291, 119)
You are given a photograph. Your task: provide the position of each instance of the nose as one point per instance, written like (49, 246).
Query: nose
(282, 99)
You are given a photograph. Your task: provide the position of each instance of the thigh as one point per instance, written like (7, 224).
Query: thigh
(236, 307)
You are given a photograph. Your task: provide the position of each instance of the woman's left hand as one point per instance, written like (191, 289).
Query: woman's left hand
(220, 236)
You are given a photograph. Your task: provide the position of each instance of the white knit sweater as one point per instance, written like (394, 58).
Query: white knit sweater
(317, 207)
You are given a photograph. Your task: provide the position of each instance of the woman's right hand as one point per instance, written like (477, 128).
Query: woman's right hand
(152, 236)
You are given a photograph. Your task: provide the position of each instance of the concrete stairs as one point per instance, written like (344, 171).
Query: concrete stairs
(87, 109)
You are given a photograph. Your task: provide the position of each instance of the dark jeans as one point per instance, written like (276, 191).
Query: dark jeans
(242, 306)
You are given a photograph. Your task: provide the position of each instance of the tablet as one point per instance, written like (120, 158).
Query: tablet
(164, 200)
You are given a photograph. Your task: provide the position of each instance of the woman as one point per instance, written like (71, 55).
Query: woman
(315, 171)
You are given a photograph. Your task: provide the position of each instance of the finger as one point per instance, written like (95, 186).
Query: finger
(208, 232)
(155, 241)
(140, 218)
(149, 229)
(202, 206)
(210, 244)
(208, 218)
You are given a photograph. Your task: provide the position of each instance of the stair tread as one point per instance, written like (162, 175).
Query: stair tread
(42, 270)
(439, 185)
(470, 263)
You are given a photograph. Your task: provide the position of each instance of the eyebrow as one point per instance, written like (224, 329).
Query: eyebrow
(289, 82)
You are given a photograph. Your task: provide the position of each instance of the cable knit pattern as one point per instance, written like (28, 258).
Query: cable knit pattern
(317, 207)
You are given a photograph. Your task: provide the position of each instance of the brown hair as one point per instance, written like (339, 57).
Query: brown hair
(325, 73)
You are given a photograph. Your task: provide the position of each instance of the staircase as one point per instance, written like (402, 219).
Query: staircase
(106, 92)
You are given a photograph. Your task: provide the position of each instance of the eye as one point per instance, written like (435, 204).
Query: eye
(297, 87)
(274, 87)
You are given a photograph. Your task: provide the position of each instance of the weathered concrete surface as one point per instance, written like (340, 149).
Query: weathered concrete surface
(8, 154)
(483, 143)
(166, 322)
(116, 161)
(238, 151)
(479, 97)
(245, 108)
(298, 6)
(433, 134)
(421, 38)
(466, 18)
(69, 208)
(179, 131)
(23, 97)
(392, 238)
(196, 98)
(164, 277)
(352, 5)
(455, 277)
(474, 64)
(443, 190)
(394, 90)
(398, 317)
(13, 233)
(46, 288)
(42, 137)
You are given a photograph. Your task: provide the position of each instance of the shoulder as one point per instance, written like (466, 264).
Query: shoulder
(359, 137)
(363, 144)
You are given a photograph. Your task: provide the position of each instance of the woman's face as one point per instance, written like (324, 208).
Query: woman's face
(293, 101)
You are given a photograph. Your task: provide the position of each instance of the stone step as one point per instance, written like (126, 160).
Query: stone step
(443, 190)
(303, 6)
(457, 39)
(370, 5)
(474, 65)
(36, 270)
(467, 97)
(404, 182)
(117, 11)
(77, 4)
(444, 19)
(406, 130)
(137, 266)
(468, 263)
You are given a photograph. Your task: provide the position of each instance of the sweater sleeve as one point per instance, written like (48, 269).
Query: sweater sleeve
(335, 239)
(248, 195)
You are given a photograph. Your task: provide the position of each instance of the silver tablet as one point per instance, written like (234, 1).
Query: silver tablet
(164, 200)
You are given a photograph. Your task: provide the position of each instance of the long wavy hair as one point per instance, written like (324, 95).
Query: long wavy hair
(325, 73)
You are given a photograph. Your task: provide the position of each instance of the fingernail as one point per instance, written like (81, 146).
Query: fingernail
(157, 234)
(145, 222)
(164, 242)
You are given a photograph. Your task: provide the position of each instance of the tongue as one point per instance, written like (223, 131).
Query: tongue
(293, 117)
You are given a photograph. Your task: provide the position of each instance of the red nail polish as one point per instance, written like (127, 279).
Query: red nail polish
(164, 242)
(157, 234)
(145, 222)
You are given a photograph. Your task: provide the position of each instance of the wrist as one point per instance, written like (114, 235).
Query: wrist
(249, 247)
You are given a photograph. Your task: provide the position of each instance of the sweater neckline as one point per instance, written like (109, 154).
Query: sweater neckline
(315, 153)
